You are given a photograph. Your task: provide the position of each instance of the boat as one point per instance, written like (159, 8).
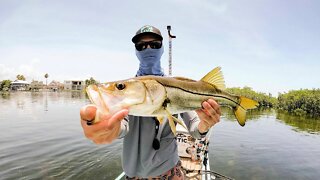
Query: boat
(194, 157)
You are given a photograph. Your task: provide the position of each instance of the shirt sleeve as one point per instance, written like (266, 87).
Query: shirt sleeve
(191, 119)
(124, 127)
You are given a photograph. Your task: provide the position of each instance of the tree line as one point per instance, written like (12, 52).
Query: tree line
(5, 85)
(301, 102)
(264, 100)
(298, 102)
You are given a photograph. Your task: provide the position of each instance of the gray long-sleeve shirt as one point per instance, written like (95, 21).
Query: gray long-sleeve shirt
(139, 158)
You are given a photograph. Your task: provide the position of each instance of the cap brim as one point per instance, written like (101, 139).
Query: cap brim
(138, 36)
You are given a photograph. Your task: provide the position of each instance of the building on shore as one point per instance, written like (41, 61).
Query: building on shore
(74, 85)
(19, 85)
(55, 86)
(36, 85)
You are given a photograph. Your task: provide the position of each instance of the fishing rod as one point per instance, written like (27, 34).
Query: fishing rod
(170, 49)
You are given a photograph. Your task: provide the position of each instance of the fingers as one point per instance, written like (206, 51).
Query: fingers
(209, 114)
(208, 120)
(108, 127)
(107, 121)
(88, 112)
(211, 107)
(202, 115)
(209, 111)
(117, 118)
(204, 125)
(215, 106)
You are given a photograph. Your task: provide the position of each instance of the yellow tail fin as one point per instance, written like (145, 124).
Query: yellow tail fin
(240, 111)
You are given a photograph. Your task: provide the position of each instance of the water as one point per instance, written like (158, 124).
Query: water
(41, 138)
(267, 148)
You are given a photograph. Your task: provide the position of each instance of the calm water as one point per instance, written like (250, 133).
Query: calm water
(41, 138)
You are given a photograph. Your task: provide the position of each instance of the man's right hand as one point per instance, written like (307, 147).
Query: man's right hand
(107, 129)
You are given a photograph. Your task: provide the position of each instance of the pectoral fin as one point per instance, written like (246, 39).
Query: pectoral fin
(172, 125)
(160, 119)
(179, 122)
(173, 119)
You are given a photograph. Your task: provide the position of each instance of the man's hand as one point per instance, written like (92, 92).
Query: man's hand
(209, 115)
(106, 130)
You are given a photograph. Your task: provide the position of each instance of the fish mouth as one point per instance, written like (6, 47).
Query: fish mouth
(103, 98)
(110, 101)
(95, 97)
(108, 98)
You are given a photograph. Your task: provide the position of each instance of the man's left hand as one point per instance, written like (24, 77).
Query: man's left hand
(209, 115)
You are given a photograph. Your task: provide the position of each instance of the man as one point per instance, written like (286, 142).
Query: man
(142, 157)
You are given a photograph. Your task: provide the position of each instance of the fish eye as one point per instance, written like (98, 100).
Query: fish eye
(120, 86)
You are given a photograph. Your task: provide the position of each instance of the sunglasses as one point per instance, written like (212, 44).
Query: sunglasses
(143, 45)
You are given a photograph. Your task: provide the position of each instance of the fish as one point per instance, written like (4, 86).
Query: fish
(161, 96)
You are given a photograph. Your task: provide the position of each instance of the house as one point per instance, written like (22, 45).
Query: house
(36, 85)
(55, 86)
(19, 85)
(74, 85)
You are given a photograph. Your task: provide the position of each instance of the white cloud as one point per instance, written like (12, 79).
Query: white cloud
(29, 71)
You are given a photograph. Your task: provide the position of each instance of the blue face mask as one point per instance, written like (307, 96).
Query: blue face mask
(150, 62)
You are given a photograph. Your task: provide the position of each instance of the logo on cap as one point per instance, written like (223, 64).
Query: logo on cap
(146, 29)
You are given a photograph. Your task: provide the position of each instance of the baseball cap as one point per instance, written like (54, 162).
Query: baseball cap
(147, 29)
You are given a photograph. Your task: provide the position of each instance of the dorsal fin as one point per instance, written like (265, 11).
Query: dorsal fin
(215, 77)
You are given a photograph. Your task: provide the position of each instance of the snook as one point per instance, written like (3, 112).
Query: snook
(163, 96)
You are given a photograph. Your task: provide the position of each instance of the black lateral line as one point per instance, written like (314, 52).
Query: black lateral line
(201, 94)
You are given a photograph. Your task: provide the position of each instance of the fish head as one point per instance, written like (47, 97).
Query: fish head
(114, 96)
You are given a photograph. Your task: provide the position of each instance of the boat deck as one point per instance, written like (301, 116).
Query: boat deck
(192, 168)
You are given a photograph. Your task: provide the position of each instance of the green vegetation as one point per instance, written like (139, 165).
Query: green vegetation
(303, 123)
(91, 81)
(5, 85)
(263, 99)
(21, 77)
(46, 76)
(298, 102)
(301, 102)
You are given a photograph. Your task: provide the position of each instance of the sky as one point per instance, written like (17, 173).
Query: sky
(269, 45)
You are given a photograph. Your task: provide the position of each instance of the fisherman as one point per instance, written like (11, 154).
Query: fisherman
(142, 157)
